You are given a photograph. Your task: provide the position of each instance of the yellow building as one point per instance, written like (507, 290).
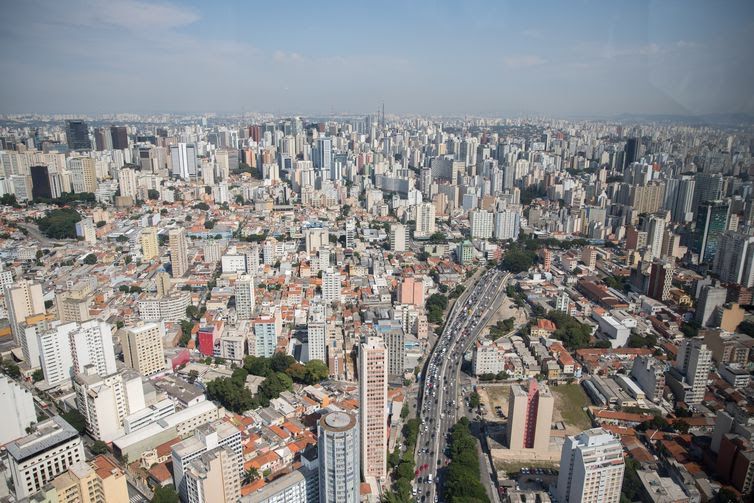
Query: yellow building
(99, 481)
(149, 245)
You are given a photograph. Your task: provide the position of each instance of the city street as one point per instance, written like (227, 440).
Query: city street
(441, 400)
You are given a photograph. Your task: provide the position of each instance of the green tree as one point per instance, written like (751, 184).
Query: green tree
(517, 260)
(404, 411)
(250, 476)
(474, 400)
(75, 419)
(316, 371)
(257, 365)
(90, 259)
(165, 494)
(59, 223)
(297, 372)
(38, 375)
(153, 194)
(281, 361)
(99, 447)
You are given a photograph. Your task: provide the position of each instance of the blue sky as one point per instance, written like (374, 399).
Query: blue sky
(491, 58)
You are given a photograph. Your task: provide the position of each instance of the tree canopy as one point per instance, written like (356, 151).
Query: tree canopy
(462, 483)
(573, 333)
(517, 259)
(436, 305)
(59, 223)
(280, 372)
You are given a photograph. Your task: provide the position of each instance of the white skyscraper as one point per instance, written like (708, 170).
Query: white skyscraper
(425, 220)
(55, 353)
(127, 182)
(397, 237)
(266, 332)
(481, 224)
(17, 407)
(317, 332)
(350, 233)
(245, 297)
(591, 468)
(507, 224)
(331, 285)
(694, 362)
(92, 344)
(183, 160)
(338, 447)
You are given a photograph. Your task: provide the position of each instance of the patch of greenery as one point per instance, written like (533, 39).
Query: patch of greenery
(59, 223)
(436, 305)
(573, 333)
(462, 482)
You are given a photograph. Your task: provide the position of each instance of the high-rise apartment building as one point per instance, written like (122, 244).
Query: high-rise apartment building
(83, 172)
(17, 405)
(338, 446)
(77, 135)
(178, 252)
(73, 305)
(21, 300)
(316, 238)
(331, 285)
(316, 332)
(213, 476)
(350, 233)
(649, 374)
(245, 302)
(150, 247)
(99, 481)
(91, 343)
(660, 280)
(143, 350)
(647, 198)
(398, 237)
(482, 224)
(106, 400)
(207, 438)
(127, 183)
(373, 407)
(507, 224)
(591, 468)
(694, 362)
(425, 220)
(529, 417)
(39, 457)
(55, 354)
(267, 329)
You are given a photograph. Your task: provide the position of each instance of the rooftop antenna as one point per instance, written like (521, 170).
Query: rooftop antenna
(383, 115)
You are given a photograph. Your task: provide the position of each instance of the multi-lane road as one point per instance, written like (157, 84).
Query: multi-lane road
(442, 404)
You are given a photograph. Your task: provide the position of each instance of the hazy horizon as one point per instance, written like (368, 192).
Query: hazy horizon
(486, 59)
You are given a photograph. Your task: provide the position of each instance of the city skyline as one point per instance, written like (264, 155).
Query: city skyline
(479, 58)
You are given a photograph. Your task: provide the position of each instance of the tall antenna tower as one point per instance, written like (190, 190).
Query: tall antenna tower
(383, 115)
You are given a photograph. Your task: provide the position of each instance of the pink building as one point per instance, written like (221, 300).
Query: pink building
(373, 408)
(412, 291)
